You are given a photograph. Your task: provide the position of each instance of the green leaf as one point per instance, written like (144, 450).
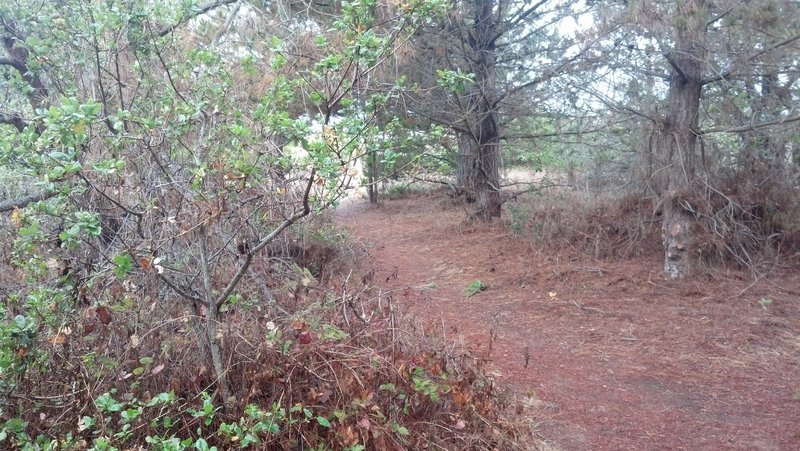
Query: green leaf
(146, 360)
(123, 265)
(323, 422)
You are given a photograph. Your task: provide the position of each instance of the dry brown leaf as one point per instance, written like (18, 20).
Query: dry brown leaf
(59, 339)
(88, 328)
(305, 337)
(104, 314)
(324, 397)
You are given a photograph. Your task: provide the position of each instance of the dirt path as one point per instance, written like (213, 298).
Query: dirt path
(609, 355)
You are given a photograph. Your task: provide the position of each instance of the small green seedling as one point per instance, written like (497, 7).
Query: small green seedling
(765, 302)
(474, 288)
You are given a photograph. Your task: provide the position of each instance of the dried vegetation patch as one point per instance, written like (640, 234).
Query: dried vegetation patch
(315, 355)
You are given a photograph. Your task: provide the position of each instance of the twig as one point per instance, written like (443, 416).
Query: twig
(589, 309)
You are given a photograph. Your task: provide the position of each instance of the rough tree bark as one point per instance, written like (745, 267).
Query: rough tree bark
(679, 136)
(479, 150)
(465, 170)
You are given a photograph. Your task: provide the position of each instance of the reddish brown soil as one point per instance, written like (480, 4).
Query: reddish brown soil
(608, 354)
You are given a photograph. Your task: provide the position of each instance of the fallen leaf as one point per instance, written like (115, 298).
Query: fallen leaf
(157, 369)
(88, 328)
(460, 398)
(460, 424)
(298, 325)
(104, 314)
(16, 217)
(59, 339)
(305, 337)
(324, 397)
(348, 435)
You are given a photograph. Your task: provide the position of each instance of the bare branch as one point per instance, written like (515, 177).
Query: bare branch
(730, 72)
(750, 127)
(511, 24)
(719, 16)
(248, 258)
(18, 59)
(16, 64)
(179, 290)
(198, 12)
(13, 119)
(22, 202)
(675, 66)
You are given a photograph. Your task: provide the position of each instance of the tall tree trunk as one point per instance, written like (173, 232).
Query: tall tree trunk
(479, 157)
(373, 176)
(678, 140)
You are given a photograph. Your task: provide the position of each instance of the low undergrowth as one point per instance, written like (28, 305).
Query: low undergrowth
(599, 226)
(739, 224)
(311, 365)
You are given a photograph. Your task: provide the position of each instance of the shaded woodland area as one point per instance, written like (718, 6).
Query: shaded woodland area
(170, 271)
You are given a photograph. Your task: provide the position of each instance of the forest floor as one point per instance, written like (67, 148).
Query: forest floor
(604, 354)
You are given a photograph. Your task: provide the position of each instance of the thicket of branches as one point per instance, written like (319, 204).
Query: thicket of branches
(164, 280)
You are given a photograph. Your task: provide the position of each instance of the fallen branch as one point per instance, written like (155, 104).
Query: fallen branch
(22, 202)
